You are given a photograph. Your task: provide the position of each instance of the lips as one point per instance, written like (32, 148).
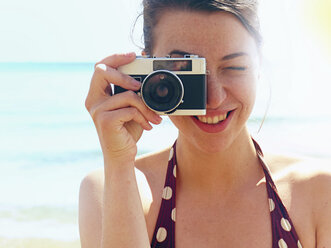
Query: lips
(212, 123)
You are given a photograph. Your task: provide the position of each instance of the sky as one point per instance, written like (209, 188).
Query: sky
(65, 30)
(83, 30)
(297, 38)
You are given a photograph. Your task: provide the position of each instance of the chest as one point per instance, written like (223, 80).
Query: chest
(241, 223)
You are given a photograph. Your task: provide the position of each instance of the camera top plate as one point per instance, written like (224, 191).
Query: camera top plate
(144, 65)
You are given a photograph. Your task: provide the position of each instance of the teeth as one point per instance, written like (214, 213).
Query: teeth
(212, 120)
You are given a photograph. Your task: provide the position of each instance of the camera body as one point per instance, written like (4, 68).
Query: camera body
(170, 86)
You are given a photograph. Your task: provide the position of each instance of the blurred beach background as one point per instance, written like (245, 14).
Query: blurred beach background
(47, 139)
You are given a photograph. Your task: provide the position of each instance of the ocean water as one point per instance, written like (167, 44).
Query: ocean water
(48, 144)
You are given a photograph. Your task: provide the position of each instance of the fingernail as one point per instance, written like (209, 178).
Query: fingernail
(157, 118)
(129, 54)
(149, 127)
(136, 83)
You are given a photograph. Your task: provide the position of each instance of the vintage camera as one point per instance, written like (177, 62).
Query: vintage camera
(170, 86)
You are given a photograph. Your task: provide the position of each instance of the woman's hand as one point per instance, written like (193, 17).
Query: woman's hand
(119, 119)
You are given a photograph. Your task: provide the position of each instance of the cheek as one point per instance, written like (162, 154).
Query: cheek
(250, 93)
(245, 92)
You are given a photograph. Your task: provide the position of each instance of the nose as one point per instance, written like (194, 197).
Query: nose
(216, 93)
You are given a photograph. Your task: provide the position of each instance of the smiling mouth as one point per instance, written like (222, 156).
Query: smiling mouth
(213, 120)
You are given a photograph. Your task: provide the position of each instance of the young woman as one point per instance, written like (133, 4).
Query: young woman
(212, 188)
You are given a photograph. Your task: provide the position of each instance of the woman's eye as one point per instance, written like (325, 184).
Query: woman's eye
(237, 68)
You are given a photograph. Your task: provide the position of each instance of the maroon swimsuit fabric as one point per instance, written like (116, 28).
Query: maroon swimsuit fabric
(283, 231)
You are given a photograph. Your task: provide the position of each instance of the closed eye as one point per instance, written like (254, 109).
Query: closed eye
(237, 68)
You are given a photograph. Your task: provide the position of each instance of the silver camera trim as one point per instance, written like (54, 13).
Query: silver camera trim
(144, 66)
(150, 75)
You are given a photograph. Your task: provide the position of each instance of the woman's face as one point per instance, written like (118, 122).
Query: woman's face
(232, 61)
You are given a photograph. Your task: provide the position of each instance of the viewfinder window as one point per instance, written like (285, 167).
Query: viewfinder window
(172, 65)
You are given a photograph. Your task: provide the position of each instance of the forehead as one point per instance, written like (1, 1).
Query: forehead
(200, 33)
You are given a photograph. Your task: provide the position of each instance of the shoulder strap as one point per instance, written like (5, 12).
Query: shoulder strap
(264, 166)
(164, 232)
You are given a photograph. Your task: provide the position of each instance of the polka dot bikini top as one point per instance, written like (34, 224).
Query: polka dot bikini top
(283, 232)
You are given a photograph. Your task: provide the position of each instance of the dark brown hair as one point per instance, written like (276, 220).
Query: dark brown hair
(244, 10)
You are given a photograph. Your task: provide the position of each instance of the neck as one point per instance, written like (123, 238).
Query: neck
(222, 171)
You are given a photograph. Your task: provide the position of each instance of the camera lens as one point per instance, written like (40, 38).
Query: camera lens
(162, 91)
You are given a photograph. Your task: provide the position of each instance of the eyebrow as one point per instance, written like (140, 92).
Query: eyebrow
(179, 52)
(234, 55)
(226, 57)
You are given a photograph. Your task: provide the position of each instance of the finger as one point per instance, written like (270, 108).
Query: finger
(128, 99)
(105, 75)
(100, 84)
(117, 60)
(125, 115)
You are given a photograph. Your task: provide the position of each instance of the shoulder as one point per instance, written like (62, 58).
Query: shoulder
(152, 164)
(314, 173)
(299, 169)
(307, 186)
(150, 168)
(309, 175)
(314, 176)
(150, 172)
(306, 178)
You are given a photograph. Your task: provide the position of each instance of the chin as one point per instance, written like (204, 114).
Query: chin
(211, 143)
(208, 142)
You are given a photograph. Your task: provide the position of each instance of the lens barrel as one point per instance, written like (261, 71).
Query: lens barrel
(162, 91)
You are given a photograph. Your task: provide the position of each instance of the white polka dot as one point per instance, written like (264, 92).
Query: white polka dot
(167, 193)
(282, 243)
(175, 171)
(285, 224)
(173, 214)
(271, 205)
(171, 154)
(161, 234)
(299, 244)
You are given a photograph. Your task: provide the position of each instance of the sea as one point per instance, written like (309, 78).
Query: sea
(48, 143)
